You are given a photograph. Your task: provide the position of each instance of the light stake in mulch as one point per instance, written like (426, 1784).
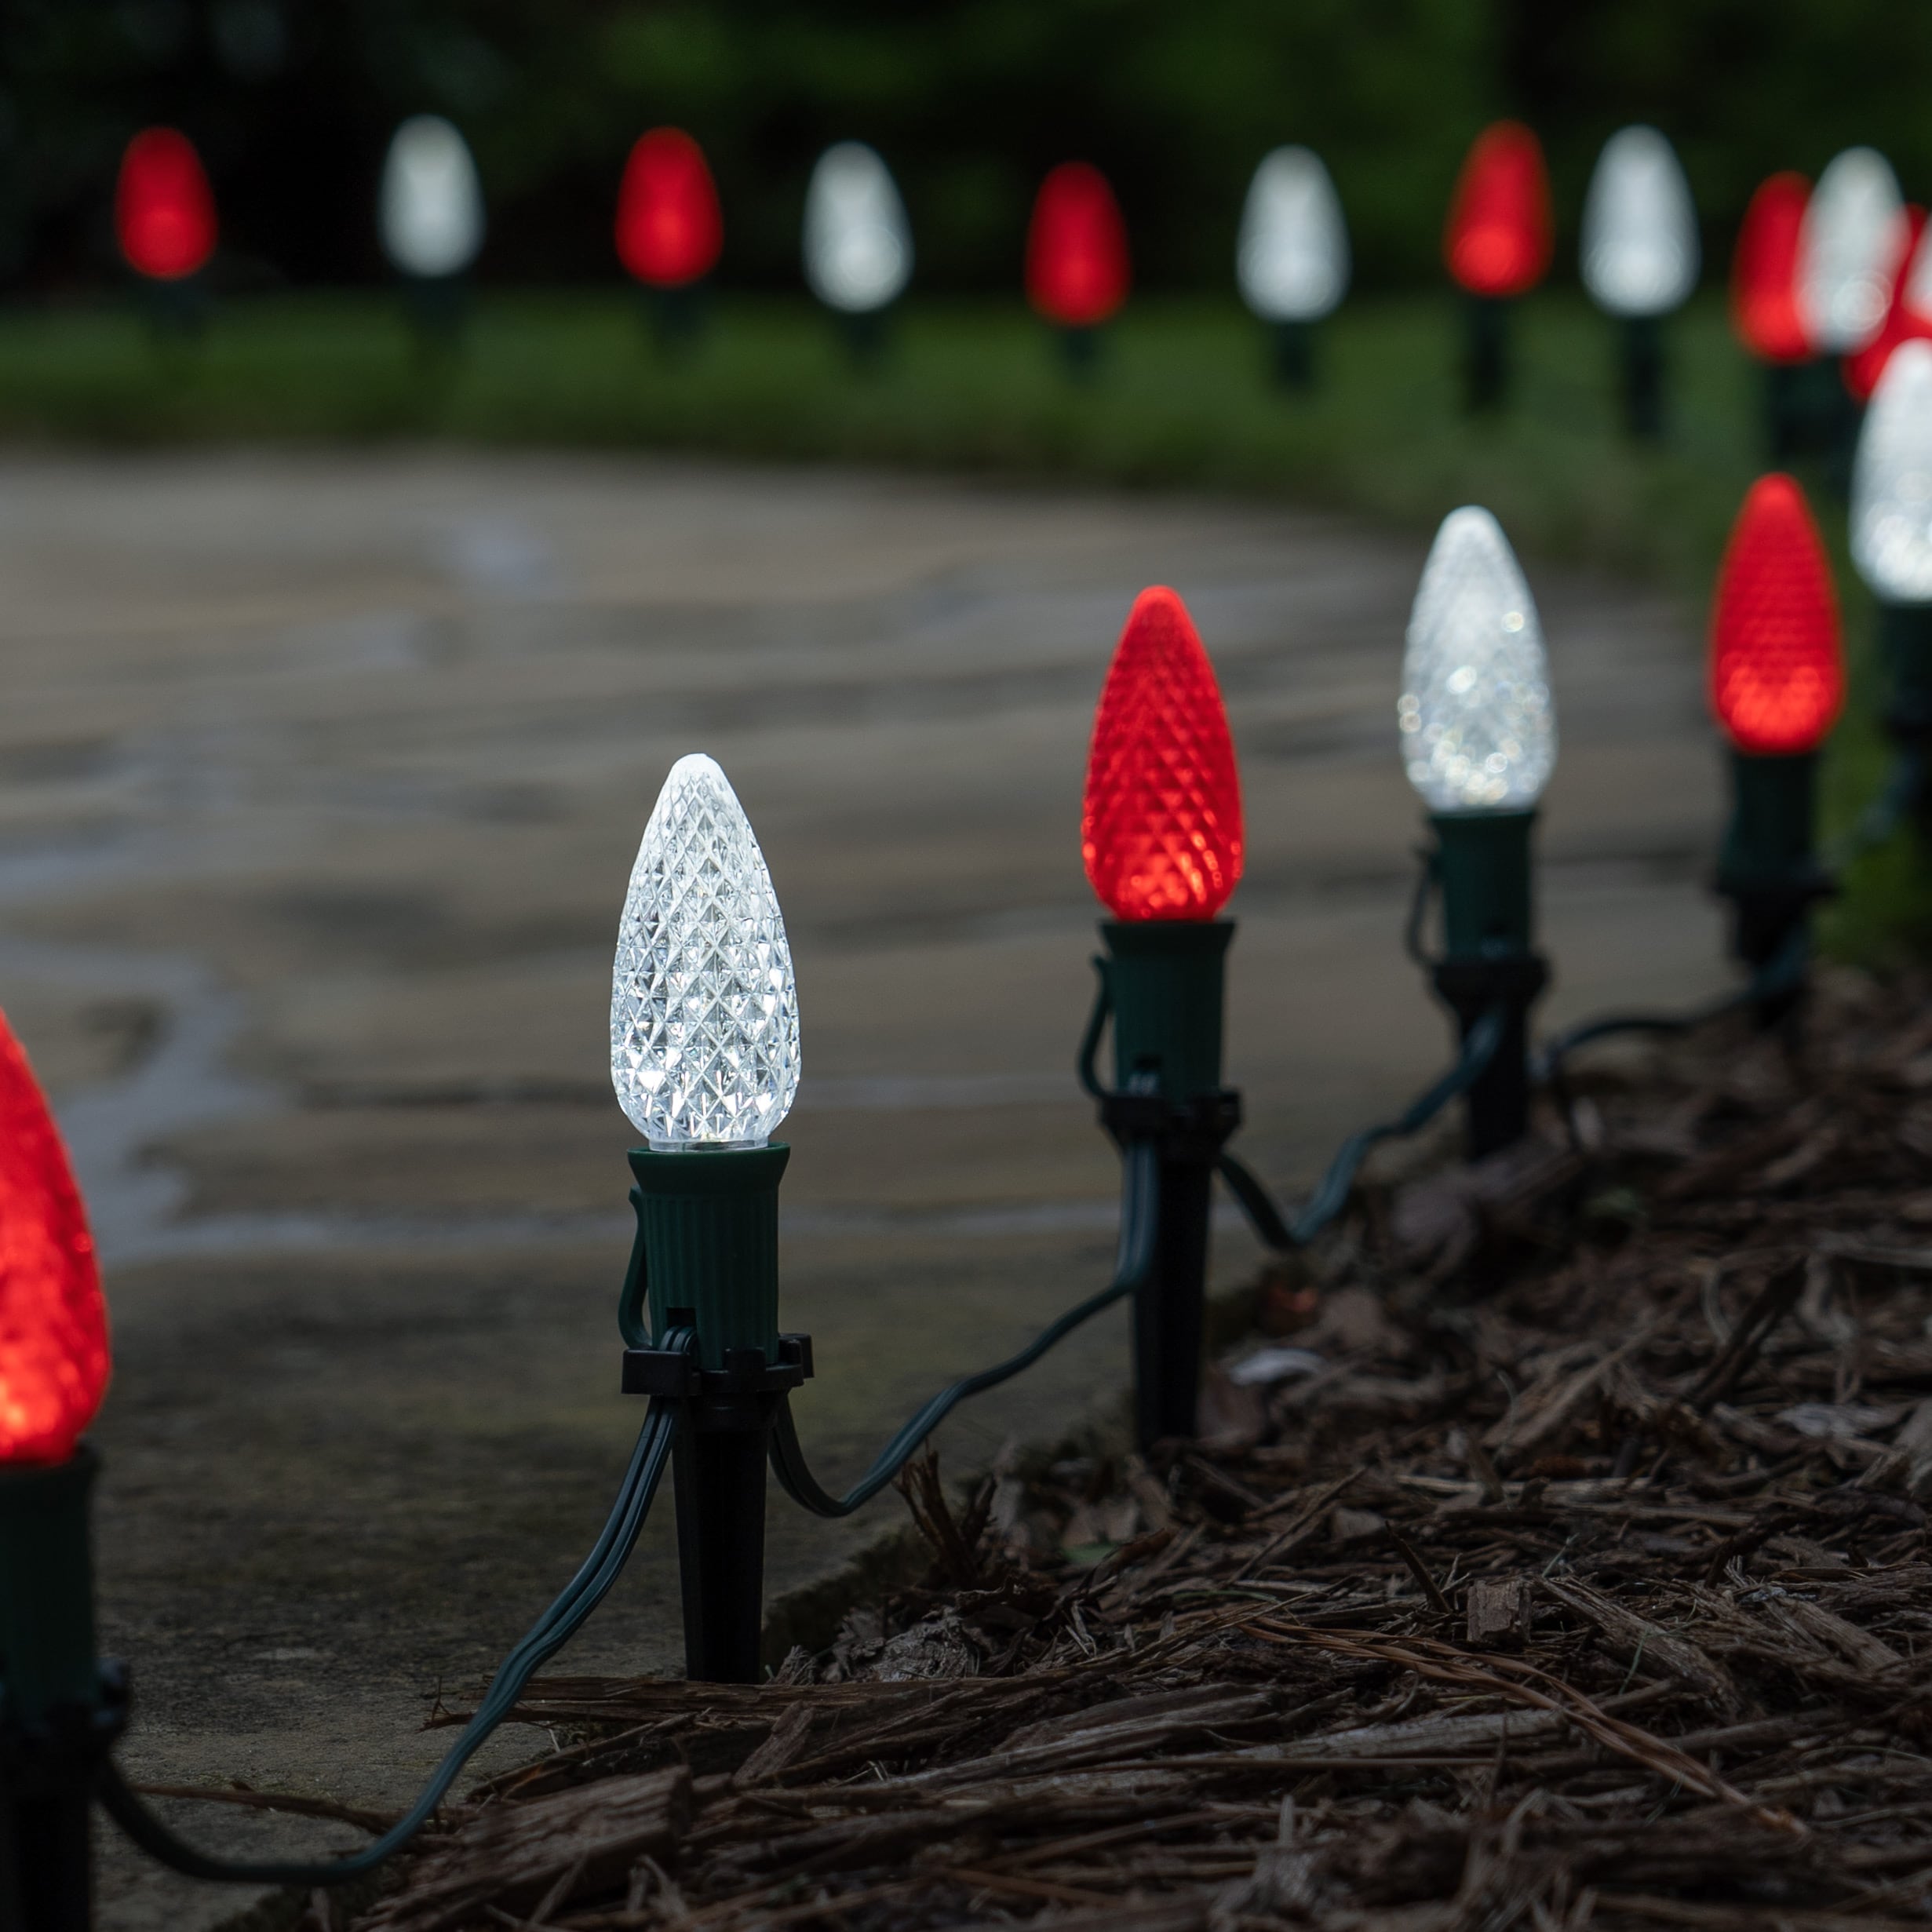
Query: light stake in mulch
(1891, 535)
(1640, 258)
(1478, 737)
(705, 1059)
(1777, 684)
(1291, 261)
(1077, 269)
(670, 231)
(1497, 246)
(164, 220)
(857, 243)
(1161, 836)
(1847, 252)
(430, 217)
(59, 1710)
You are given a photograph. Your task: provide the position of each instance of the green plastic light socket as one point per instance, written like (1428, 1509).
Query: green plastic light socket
(1769, 841)
(1166, 979)
(47, 1588)
(1482, 867)
(1905, 651)
(708, 1240)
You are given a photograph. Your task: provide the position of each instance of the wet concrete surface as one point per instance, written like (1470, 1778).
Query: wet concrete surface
(320, 779)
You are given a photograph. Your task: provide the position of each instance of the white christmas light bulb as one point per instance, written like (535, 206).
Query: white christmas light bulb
(1845, 247)
(704, 1009)
(1891, 480)
(1291, 261)
(1919, 278)
(858, 245)
(431, 211)
(1478, 732)
(1640, 254)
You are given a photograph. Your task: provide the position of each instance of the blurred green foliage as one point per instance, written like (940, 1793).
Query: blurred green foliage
(292, 102)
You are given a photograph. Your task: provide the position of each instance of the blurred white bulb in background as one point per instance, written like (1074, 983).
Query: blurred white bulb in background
(1478, 730)
(1640, 251)
(1291, 261)
(1845, 248)
(858, 245)
(704, 1009)
(431, 211)
(1891, 480)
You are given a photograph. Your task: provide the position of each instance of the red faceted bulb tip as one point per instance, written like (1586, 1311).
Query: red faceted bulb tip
(1077, 261)
(164, 210)
(1161, 827)
(1903, 324)
(53, 1324)
(1501, 235)
(669, 228)
(1764, 272)
(1778, 671)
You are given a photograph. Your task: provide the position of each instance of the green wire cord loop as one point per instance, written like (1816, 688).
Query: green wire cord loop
(560, 1622)
(1139, 1226)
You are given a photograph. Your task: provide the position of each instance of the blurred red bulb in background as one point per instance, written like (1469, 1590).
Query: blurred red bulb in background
(1499, 235)
(1160, 826)
(1903, 322)
(1077, 261)
(53, 1324)
(164, 211)
(1764, 272)
(1777, 672)
(669, 228)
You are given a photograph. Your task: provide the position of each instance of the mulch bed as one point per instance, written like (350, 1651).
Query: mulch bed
(1559, 1560)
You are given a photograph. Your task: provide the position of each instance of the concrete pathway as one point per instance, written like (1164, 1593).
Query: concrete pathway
(320, 779)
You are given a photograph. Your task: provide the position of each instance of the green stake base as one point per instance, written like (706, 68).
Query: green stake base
(1905, 651)
(1642, 373)
(1486, 353)
(1768, 867)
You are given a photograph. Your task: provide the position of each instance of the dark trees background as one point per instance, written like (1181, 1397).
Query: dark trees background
(292, 102)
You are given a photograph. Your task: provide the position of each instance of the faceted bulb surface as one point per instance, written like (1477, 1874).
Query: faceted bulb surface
(1291, 261)
(1891, 481)
(857, 243)
(1160, 825)
(1902, 322)
(1640, 251)
(1777, 673)
(704, 1009)
(1765, 312)
(1478, 730)
(164, 210)
(431, 211)
(53, 1324)
(1845, 247)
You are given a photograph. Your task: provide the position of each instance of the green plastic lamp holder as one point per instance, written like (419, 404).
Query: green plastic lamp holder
(1642, 368)
(60, 1709)
(706, 1258)
(1769, 868)
(1163, 980)
(1486, 353)
(1481, 866)
(1905, 651)
(1294, 357)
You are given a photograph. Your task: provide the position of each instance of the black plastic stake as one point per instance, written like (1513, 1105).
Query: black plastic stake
(1643, 376)
(720, 1475)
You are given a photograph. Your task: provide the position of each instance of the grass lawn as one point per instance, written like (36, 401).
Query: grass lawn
(1180, 396)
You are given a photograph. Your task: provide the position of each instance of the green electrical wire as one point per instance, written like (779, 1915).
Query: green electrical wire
(551, 1631)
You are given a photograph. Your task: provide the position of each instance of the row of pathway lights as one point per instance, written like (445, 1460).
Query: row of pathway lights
(706, 1061)
(1818, 278)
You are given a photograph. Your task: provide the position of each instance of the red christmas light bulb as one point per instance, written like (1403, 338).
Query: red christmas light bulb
(1160, 826)
(1777, 672)
(669, 228)
(1501, 235)
(53, 1324)
(1077, 261)
(1764, 272)
(1902, 323)
(164, 210)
